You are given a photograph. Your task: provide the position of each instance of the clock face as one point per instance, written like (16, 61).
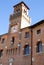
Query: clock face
(14, 28)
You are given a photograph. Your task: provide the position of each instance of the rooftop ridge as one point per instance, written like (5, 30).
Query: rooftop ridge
(21, 3)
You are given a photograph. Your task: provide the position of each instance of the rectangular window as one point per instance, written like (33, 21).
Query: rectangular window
(26, 50)
(39, 31)
(39, 47)
(12, 40)
(1, 53)
(27, 35)
(3, 40)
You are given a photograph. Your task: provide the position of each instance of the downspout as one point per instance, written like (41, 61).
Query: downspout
(31, 44)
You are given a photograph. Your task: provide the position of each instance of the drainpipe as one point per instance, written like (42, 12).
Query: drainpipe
(31, 44)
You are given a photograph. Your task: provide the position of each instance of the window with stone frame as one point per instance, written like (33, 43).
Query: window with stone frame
(39, 47)
(26, 50)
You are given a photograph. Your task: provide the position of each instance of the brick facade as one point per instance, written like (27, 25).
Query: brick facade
(22, 45)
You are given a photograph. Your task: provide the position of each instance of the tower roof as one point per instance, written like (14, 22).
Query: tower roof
(21, 3)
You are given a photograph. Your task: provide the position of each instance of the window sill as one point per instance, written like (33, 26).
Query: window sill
(26, 54)
(39, 52)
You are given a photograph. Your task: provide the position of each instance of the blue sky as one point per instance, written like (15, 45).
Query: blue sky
(36, 12)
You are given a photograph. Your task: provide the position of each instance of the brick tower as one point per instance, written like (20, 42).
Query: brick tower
(18, 20)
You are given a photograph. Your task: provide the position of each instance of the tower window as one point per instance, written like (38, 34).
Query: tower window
(27, 35)
(12, 40)
(39, 47)
(25, 11)
(26, 50)
(1, 53)
(18, 10)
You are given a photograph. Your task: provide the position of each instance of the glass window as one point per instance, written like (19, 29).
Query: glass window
(27, 35)
(38, 31)
(12, 40)
(26, 49)
(39, 47)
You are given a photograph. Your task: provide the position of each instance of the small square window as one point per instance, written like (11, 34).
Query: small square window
(18, 10)
(27, 35)
(25, 11)
(39, 31)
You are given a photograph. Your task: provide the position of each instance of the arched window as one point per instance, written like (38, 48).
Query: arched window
(39, 47)
(26, 50)
(1, 53)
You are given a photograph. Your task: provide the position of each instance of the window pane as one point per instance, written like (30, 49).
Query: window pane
(39, 47)
(27, 49)
(27, 35)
